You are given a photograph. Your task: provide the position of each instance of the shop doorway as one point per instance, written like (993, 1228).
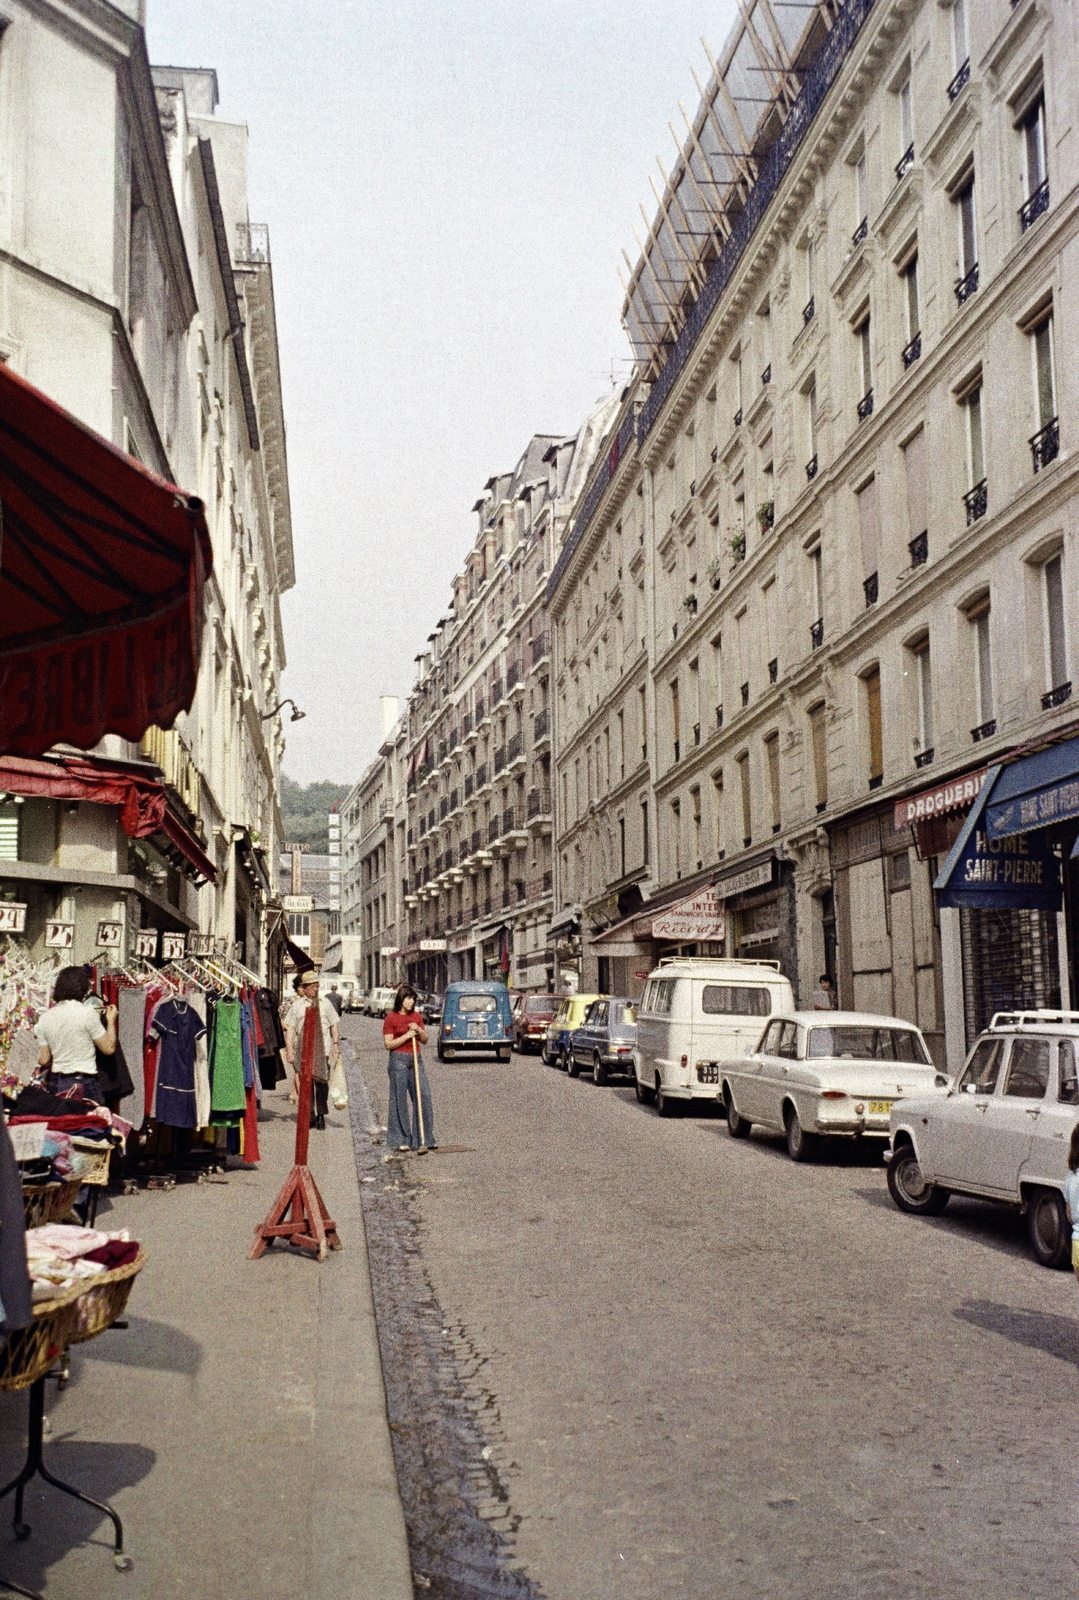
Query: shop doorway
(1010, 963)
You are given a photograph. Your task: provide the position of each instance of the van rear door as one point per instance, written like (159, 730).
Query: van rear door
(728, 1018)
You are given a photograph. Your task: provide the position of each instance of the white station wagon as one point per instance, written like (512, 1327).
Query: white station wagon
(1002, 1132)
(817, 1074)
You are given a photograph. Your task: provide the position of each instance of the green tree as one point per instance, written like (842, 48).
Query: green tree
(304, 811)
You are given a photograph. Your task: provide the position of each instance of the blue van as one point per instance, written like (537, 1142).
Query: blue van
(476, 1017)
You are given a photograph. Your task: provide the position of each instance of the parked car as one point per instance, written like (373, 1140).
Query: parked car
(1002, 1130)
(811, 1078)
(380, 1003)
(696, 1014)
(572, 1008)
(476, 1018)
(431, 1006)
(532, 1016)
(604, 1041)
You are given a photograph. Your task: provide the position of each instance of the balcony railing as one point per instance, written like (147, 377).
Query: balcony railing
(541, 647)
(871, 588)
(509, 819)
(454, 799)
(816, 633)
(481, 776)
(905, 162)
(912, 352)
(496, 692)
(481, 710)
(809, 311)
(513, 675)
(1057, 696)
(541, 724)
(443, 808)
(745, 694)
(470, 784)
(500, 760)
(860, 232)
(466, 725)
(984, 730)
(475, 841)
(811, 469)
(919, 549)
(967, 286)
(453, 739)
(865, 406)
(960, 81)
(1032, 209)
(515, 746)
(924, 758)
(539, 803)
(976, 501)
(1045, 445)
(494, 829)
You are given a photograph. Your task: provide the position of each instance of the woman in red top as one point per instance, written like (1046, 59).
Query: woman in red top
(403, 1025)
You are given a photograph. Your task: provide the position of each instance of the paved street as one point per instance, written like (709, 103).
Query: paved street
(711, 1373)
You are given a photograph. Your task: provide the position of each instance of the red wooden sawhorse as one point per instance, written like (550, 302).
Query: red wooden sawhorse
(309, 1226)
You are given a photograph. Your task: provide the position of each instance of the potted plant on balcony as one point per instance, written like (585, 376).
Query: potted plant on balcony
(766, 515)
(690, 604)
(738, 545)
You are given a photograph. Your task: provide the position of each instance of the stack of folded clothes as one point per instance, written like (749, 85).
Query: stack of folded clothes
(60, 1255)
(76, 1132)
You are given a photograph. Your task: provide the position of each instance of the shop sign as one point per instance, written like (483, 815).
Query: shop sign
(700, 917)
(298, 903)
(12, 916)
(951, 796)
(388, 951)
(200, 944)
(757, 877)
(1017, 873)
(432, 946)
(59, 935)
(172, 946)
(641, 975)
(110, 935)
(1040, 810)
(459, 942)
(146, 943)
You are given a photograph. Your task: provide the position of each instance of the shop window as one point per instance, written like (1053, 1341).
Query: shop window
(1010, 963)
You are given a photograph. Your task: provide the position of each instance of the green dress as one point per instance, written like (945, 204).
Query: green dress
(226, 1062)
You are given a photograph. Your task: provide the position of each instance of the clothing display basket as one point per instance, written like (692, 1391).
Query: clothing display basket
(49, 1202)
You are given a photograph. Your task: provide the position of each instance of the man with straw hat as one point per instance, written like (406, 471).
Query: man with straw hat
(327, 1042)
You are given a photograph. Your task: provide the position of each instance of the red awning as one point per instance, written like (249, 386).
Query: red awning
(102, 567)
(142, 802)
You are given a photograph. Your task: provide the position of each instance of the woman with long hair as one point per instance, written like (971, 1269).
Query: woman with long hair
(403, 1025)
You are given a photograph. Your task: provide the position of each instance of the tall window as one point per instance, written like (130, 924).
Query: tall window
(860, 202)
(912, 306)
(717, 675)
(1035, 170)
(917, 510)
(978, 617)
(976, 498)
(923, 682)
(764, 342)
(695, 698)
(676, 722)
(736, 363)
(818, 738)
(642, 712)
(811, 429)
(869, 527)
(874, 729)
(1045, 395)
(771, 750)
(906, 127)
(865, 367)
(621, 847)
(808, 273)
(960, 47)
(770, 629)
(742, 624)
(968, 241)
(717, 803)
(816, 589)
(695, 802)
(747, 815)
(621, 744)
(645, 841)
(676, 836)
(1056, 651)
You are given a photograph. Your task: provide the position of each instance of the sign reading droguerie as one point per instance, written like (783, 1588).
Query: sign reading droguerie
(951, 796)
(700, 917)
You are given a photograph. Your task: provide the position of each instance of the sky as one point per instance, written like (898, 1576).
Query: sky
(448, 188)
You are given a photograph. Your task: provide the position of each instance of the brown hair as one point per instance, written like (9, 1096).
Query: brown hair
(72, 983)
(402, 995)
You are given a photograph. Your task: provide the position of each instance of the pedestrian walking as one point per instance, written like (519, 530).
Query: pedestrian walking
(334, 998)
(1071, 1194)
(70, 1032)
(824, 997)
(327, 1044)
(402, 1033)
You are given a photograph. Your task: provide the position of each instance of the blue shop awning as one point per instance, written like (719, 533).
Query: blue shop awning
(1036, 792)
(1017, 871)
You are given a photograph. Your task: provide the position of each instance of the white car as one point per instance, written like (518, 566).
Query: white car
(1003, 1130)
(819, 1074)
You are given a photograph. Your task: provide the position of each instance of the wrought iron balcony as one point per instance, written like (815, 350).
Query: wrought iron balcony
(967, 286)
(541, 647)
(913, 351)
(466, 725)
(541, 724)
(976, 501)
(809, 311)
(860, 232)
(515, 747)
(1045, 445)
(766, 375)
(919, 549)
(865, 406)
(509, 819)
(811, 469)
(454, 800)
(773, 669)
(496, 692)
(474, 843)
(905, 162)
(1032, 208)
(984, 730)
(500, 760)
(494, 829)
(481, 776)
(924, 758)
(443, 808)
(539, 803)
(959, 82)
(816, 633)
(1057, 696)
(871, 589)
(745, 694)
(470, 784)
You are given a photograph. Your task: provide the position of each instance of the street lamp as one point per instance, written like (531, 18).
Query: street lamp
(297, 714)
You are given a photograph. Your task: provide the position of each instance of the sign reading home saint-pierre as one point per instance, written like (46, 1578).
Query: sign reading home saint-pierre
(59, 935)
(110, 935)
(700, 917)
(12, 916)
(1019, 873)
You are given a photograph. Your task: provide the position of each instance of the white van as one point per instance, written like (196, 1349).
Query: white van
(697, 1012)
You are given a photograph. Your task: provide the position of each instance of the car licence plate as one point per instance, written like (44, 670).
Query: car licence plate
(477, 1030)
(880, 1108)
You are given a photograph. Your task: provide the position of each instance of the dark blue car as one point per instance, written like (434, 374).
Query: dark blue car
(604, 1041)
(476, 1019)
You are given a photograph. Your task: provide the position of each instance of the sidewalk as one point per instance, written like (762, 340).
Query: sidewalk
(239, 1425)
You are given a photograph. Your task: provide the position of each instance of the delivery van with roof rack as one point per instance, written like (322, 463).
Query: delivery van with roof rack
(696, 1013)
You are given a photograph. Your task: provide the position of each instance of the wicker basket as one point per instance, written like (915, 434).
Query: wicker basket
(98, 1307)
(28, 1353)
(49, 1202)
(97, 1169)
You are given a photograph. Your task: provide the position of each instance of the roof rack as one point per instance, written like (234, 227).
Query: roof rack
(710, 961)
(1034, 1019)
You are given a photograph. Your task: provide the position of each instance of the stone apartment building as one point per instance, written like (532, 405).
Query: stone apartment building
(822, 576)
(137, 293)
(374, 857)
(478, 878)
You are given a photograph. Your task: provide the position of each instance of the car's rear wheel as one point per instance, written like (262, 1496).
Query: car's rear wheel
(737, 1126)
(1047, 1228)
(801, 1146)
(644, 1094)
(572, 1064)
(599, 1071)
(909, 1188)
(665, 1106)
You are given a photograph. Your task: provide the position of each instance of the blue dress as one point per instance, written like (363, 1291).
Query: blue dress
(179, 1027)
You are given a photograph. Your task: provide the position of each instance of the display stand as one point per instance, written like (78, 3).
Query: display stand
(309, 1226)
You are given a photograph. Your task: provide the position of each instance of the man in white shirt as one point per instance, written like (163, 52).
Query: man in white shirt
(69, 1034)
(330, 1042)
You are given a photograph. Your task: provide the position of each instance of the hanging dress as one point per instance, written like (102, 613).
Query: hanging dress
(178, 1028)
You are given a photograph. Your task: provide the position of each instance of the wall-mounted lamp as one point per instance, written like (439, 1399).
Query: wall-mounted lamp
(297, 714)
